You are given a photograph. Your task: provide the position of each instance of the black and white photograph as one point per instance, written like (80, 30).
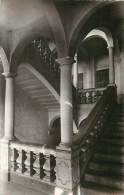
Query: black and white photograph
(61, 97)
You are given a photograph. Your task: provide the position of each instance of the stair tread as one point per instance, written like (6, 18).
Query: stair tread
(105, 181)
(105, 174)
(106, 167)
(109, 158)
(111, 169)
(113, 142)
(100, 187)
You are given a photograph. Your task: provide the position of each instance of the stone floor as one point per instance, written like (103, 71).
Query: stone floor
(16, 189)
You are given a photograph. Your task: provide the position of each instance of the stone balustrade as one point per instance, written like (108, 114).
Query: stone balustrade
(89, 96)
(46, 55)
(37, 162)
(94, 126)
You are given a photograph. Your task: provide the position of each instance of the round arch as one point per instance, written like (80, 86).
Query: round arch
(57, 117)
(82, 19)
(103, 33)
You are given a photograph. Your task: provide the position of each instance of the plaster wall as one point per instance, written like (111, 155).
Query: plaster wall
(31, 121)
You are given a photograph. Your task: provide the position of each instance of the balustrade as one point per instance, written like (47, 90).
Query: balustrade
(42, 49)
(89, 96)
(33, 161)
(94, 125)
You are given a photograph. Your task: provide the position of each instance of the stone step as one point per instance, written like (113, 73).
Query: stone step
(117, 118)
(107, 168)
(113, 134)
(107, 181)
(116, 123)
(109, 149)
(115, 158)
(116, 141)
(101, 188)
(114, 128)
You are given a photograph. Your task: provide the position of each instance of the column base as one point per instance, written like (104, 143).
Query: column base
(67, 167)
(4, 158)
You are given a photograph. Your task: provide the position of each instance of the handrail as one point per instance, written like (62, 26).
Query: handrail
(39, 148)
(92, 89)
(33, 161)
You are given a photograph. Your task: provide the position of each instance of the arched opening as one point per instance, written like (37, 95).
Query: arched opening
(55, 131)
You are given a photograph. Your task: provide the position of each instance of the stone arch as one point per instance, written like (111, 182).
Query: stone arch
(104, 33)
(53, 120)
(81, 21)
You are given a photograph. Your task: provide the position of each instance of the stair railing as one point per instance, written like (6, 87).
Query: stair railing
(34, 162)
(89, 96)
(93, 126)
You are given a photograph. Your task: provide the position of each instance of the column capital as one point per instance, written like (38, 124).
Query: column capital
(9, 74)
(65, 61)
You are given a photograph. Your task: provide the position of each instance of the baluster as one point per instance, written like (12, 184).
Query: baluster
(94, 97)
(27, 163)
(52, 168)
(49, 168)
(35, 170)
(19, 161)
(13, 156)
(46, 168)
(83, 97)
(37, 165)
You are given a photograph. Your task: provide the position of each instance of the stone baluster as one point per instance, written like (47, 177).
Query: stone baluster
(38, 162)
(19, 161)
(27, 163)
(13, 157)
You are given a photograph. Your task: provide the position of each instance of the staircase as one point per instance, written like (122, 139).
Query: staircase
(106, 168)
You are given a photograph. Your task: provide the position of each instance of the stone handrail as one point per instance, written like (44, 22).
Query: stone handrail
(36, 162)
(89, 96)
(93, 126)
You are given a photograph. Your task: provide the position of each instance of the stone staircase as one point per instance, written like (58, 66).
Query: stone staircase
(106, 168)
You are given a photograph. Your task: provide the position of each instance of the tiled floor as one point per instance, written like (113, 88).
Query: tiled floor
(16, 189)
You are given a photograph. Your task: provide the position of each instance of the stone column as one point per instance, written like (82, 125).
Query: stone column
(67, 158)
(8, 127)
(9, 106)
(75, 72)
(111, 66)
(66, 100)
